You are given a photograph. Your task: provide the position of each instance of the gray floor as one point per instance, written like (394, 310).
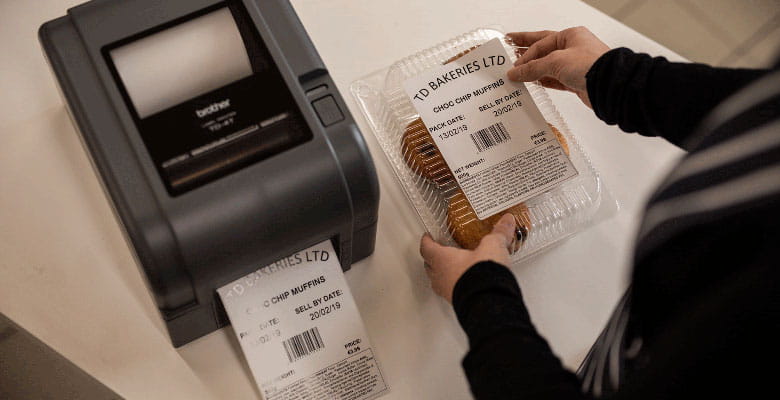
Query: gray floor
(731, 33)
(29, 369)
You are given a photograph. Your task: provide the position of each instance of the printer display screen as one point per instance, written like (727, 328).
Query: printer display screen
(206, 97)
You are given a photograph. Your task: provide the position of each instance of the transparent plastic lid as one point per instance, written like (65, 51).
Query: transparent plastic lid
(429, 183)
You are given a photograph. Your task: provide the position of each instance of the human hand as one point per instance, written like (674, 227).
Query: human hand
(445, 265)
(558, 60)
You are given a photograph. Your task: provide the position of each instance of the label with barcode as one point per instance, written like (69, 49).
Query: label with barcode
(303, 344)
(491, 136)
(300, 330)
(490, 132)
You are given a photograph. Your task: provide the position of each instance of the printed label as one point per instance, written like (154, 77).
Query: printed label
(300, 330)
(489, 130)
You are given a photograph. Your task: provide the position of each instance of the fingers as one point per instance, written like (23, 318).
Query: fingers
(525, 39)
(536, 69)
(552, 83)
(540, 49)
(430, 249)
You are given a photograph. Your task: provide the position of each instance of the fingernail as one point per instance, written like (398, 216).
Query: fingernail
(507, 220)
(513, 74)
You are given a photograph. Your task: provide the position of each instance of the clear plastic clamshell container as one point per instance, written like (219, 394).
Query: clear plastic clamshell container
(430, 186)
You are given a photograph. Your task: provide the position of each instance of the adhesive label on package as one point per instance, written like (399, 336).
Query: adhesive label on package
(489, 130)
(300, 330)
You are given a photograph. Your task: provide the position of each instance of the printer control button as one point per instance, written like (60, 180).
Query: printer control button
(328, 111)
(317, 91)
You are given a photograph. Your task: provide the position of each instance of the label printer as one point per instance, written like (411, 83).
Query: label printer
(220, 139)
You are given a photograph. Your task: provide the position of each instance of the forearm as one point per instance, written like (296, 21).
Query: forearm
(655, 97)
(507, 357)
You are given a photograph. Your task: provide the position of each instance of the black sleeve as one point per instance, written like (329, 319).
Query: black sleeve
(507, 358)
(655, 97)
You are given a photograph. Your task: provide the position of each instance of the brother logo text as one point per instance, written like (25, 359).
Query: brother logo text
(214, 107)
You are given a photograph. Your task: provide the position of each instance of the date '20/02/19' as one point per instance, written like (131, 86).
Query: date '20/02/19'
(324, 311)
(507, 108)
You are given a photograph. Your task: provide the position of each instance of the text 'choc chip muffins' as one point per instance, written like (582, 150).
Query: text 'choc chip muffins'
(428, 180)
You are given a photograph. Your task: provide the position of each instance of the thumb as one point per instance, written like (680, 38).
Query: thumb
(505, 227)
(502, 233)
(429, 248)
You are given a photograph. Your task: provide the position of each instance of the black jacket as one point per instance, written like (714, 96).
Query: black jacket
(701, 318)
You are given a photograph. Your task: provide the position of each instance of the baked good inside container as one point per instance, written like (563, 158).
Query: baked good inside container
(424, 158)
(427, 180)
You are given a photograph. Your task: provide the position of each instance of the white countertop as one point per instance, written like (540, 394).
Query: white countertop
(67, 275)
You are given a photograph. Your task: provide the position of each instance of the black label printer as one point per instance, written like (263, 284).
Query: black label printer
(220, 139)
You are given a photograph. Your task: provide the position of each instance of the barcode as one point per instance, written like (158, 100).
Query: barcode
(490, 136)
(303, 344)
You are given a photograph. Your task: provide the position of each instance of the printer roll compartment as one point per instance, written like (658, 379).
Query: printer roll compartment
(249, 116)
